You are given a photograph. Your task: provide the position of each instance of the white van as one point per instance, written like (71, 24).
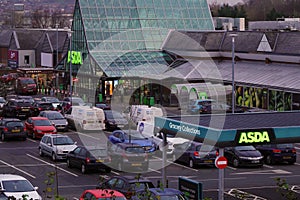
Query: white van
(85, 118)
(144, 113)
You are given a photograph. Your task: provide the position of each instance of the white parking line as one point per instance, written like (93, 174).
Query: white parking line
(87, 135)
(17, 169)
(31, 140)
(296, 164)
(268, 166)
(50, 164)
(153, 170)
(115, 173)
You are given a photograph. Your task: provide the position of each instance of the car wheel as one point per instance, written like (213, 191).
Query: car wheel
(69, 165)
(3, 137)
(235, 162)
(53, 156)
(269, 160)
(191, 163)
(83, 169)
(41, 152)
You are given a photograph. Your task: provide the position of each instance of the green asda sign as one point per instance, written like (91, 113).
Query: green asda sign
(250, 137)
(76, 57)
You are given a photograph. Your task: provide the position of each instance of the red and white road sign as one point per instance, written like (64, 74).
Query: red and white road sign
(221, 162)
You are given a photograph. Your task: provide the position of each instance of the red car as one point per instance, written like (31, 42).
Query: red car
(102, 194)
(38, 126)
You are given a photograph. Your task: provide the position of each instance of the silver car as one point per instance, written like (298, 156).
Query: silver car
(56, 145)
(56, 118)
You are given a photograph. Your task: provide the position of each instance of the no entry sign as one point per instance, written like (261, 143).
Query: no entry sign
(221, 162)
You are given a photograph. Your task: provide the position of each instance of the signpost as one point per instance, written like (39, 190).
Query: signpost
(191, 189)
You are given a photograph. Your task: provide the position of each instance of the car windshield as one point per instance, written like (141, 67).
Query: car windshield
(135, 150)
(139, 186)
(62, 141)
(53, 100)
(17, 186)
(245, 148)
(14, 124)
(77, 100)
(41, 122)
(25, 103)
(114, 198)
(135, 135)
(171, 197)
(205, 148)
(113, 114)
(28, 81)
(285, 146)
(2, 100)
(55, 116)
(98, 152)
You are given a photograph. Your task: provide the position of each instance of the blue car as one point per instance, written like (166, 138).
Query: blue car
(198, 106)
(159, 194)
(131, 136)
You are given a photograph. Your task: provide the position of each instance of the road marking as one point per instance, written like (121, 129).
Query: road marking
(153, 170)
(87, 135)
(114, 172)
(268, 166)
(31, 140)
(276, 171)
(296, 164)
(233, 168)
(296, 189)
(16, 148)
(243, 195)
(17, 169)
(53, 165)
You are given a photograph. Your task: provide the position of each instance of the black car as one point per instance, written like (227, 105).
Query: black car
(87, 159)
(127, 185)
(114, 120)
(18, 108)
(39, 106)
(243, 156)
(195, 153)
(129, 157)
(278, 153)
(12, 128)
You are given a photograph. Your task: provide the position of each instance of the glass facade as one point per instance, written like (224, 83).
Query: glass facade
(123, 37)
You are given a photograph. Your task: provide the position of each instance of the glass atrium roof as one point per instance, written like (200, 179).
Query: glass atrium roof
(124, 36)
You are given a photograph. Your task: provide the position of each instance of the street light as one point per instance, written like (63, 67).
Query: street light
(70, 69)
(233, 35)
(56, 82)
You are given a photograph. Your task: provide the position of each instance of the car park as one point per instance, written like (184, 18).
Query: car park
(127, 185)
(12, 128)
(243, 156)
(57, 146)
(56, 118)
(17, 186)
(129, 157)
(18, 108)
(94, 194)
(195, 154)
(38, 126)
(55, 102)
(114, 120)
(278, 153)
(39, 106)
(159, 194)
(89, 158)
(131, 136)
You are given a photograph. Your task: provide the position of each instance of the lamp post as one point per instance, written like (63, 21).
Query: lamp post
(70, 69)
(56, 80)
(233, 35)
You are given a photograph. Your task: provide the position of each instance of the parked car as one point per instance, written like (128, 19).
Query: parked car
(38, 126)
(89, 158)
(16, 186)
(198, 106)
(94, 194)
(39, 106)
(55, 102)
(25, 85)
(63, 106)
(2, 102)
(129, 157)
(114, 120)
(56, 118)
(127, 185)
(131, 136)
(57, 146)
(17, 108)
(12, 128)
(103, 106)
(243, 156)
(28, 98)
(75, 100)
(195, 153)
(278, 153)
(159, 194)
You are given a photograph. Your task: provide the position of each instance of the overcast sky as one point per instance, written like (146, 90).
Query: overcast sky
(230, 2)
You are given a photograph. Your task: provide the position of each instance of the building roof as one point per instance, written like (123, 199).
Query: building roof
(5, 36)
